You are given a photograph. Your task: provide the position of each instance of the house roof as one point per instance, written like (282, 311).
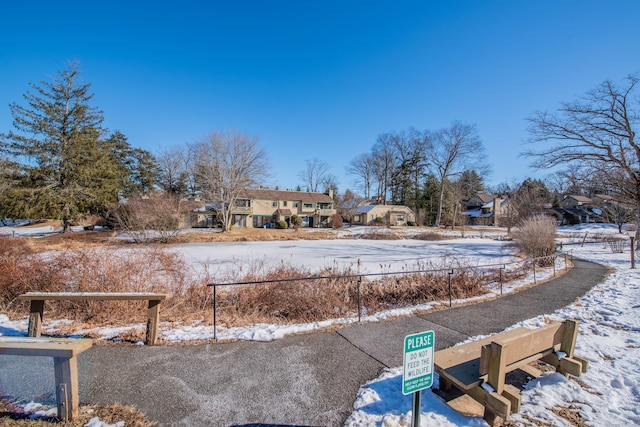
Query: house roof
(303, 196)
(486, 198)
(364, 209)
(583, 199)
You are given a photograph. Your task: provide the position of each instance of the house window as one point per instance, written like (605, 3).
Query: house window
(296, 204)
(274, 203)
(308, 206)
(400, 218)
(284, 203)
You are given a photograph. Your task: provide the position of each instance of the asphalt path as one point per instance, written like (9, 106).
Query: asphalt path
(301, 380)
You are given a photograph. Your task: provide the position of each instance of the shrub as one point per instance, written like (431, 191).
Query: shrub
(282, 224)
(378, 221)
(336, 221)
(296, 221)
(535, 236)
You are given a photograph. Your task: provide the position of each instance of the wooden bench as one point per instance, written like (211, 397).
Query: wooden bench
(479, 368)
(64, 352)
(38, 298)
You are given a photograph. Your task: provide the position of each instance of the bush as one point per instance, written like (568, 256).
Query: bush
(336, 221)
(535, 236)
(282, 224)
(378, 221)
(296, 221)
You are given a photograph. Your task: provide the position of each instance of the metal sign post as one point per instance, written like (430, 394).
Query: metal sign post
(417, 371)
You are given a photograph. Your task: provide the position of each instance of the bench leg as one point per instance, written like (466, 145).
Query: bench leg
(35, 318)
(153, 319)
(66, 374)
(513, 395)
(495, 407)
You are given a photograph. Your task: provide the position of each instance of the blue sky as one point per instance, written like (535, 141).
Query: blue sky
(321, 79)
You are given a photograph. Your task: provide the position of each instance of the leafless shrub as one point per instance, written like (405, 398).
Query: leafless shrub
(615, 244)
(380, 234)
(429, 235)
(138, 269)
(148, 220)
(535, 236)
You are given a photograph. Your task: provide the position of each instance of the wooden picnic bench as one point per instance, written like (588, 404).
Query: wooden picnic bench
(38, 298)
(479, 368)
(64, 352)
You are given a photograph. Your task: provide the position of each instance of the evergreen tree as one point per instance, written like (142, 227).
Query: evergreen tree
(63, 165)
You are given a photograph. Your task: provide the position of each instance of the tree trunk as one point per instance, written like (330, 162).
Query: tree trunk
(66, 220)
(439, 213)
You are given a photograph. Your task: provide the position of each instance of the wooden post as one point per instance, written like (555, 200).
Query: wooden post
(36, 312)
(633, 253)
(497, 367)
(153, 317)
(66, 377)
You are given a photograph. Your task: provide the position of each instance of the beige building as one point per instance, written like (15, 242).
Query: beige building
(486, 209)
(393, 215)
(260, 208)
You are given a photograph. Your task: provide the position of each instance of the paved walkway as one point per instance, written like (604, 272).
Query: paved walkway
(309, 379)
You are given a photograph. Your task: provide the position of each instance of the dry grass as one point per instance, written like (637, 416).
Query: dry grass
(81, 262)
(380, 234)
(12, 415)
(430, 236)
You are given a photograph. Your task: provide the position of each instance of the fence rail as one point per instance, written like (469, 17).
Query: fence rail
(450, 271)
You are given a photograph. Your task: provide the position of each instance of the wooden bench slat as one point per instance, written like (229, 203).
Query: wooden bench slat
(529, 342)
(93, 296)
(59, 347)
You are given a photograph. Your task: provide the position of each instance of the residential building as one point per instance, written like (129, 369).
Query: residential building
(392, 215)
(573, 202)
(486, 209)
(262, 208)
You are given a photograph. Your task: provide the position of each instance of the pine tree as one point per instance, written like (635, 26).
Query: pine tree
(64, 166)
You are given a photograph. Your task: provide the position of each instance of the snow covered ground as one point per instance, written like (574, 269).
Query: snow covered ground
(608, 394)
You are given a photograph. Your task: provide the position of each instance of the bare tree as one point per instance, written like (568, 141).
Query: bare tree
(172, 171)
(228, 163)
(597, 133)
(362, 168)
(156, 218)
(384, 163)
(453, 150)
(316, 177)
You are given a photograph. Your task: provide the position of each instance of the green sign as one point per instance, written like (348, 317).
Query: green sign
(418, 362)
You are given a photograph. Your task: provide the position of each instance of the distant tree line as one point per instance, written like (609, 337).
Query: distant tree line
(428, 171)
(59, 161)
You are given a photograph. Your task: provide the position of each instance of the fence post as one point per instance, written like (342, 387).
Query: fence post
(554, 264)
(566, 265)
(359, 301)
(215, 331)
(534, 271)
(501, 268)
(450, 294)
(633, 253)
